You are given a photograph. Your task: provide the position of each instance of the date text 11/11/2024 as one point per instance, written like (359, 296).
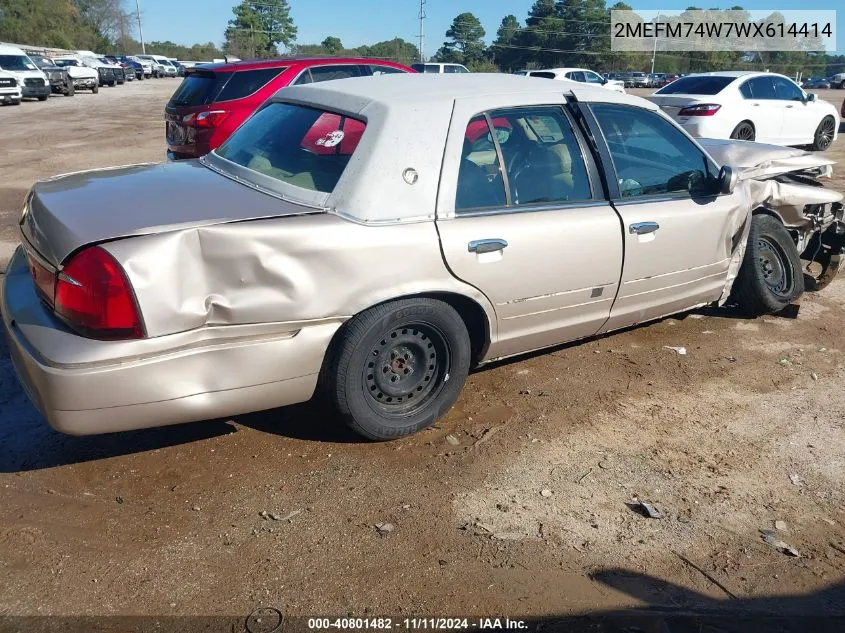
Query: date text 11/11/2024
(414, 624)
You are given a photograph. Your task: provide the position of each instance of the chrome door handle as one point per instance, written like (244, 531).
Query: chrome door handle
(756, 105)
(789, 106)
(486, 246)
(641, 228)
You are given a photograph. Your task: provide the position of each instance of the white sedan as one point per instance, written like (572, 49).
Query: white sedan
(581, 75)
(749, 106)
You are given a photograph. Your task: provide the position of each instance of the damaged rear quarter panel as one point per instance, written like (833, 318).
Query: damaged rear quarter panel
(281, 270)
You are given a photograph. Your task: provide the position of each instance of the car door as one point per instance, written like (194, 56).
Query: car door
(522, 217)
(763, 109)
(800, 117)
(679, 234)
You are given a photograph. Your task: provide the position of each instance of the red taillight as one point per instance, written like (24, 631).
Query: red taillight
(94, 296)
(209, 118)
(701, 109)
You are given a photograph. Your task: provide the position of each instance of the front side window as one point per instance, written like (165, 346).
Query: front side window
(327, 73)
(542, 157)
(304, 147)
(384, 70)
(762, 88)
(786, 90)
(592, 78)
(650, 155)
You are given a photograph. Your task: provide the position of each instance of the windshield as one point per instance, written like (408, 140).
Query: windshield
(297, 145)
(16, 62)
(41, 62)
(66, 62)
(700, 85)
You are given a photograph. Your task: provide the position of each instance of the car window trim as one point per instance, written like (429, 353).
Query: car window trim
(598, 195)
(613, 177)
(500, 158)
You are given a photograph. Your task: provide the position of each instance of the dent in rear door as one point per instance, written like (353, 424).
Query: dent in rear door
(551, 269)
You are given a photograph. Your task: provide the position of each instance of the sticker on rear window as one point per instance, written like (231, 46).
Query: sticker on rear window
(331, 139)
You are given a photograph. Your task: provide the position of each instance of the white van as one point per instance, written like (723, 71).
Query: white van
(32, 81)
(432, 67)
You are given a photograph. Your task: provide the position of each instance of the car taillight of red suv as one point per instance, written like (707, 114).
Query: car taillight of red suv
(214, 99)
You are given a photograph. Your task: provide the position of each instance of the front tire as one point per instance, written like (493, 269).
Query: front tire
(396, 368)
(823, 138)
(95, 89)
(744, 132)
(771, 276)
(70, 90)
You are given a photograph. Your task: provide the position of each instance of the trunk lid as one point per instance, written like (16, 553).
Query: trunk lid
(672, 104)
(74, 210)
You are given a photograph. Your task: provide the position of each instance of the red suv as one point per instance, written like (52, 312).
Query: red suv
(214, 99)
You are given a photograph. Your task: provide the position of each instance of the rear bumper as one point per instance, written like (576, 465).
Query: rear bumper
(83, 386)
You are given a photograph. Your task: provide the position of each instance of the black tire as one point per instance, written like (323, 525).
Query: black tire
(70, 90)
(111, 84)
(842, 85)
(771, 276)
(95, 89)
(396, 368)
(823, 138)
(744, 132)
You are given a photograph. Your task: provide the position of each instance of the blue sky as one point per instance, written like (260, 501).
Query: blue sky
(358, 22)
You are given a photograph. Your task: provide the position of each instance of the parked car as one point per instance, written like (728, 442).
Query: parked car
(131, 66)
(838, 80)
(581, 75)
(32, 81)
(105, 72)
(431, 67)
(749, 106)
(214, 99)
(60, 81)
(280, 238)
(636, 80)
(158, 68)
(10, 89)
(146, 64)
(129, 71)
(119, 72)
(84, 77)
(816, 83)
(180, 68)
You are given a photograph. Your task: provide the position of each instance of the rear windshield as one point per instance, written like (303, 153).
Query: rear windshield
(543, 74)
(301, 146)
(199, 88)
(16, 62)
(705, 85)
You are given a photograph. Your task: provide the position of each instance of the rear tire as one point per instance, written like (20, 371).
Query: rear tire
(95, 89)
(744, 132)
(771, 276)
(396, 368)
(823, 138)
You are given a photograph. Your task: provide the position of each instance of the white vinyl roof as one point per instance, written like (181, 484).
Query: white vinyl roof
(417, 122)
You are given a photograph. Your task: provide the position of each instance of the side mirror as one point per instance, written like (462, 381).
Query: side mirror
(727, 179)
(811, 96)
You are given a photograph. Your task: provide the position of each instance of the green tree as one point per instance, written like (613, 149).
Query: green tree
(505, 49)
(258, 27)
(332, 45)
(466, 45)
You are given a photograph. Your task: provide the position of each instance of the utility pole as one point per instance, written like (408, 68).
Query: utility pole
(140, 32)
(654, 50)
(421, 36)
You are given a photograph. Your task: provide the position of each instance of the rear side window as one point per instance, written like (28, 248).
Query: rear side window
(745, 90)
(301, 146)
(245, 82)
(327, 73)
(762, 88)
(199, 88)
(704, 85)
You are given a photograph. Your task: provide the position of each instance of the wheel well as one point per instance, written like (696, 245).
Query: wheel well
(749, 121)
(794, 233)
(471, 313)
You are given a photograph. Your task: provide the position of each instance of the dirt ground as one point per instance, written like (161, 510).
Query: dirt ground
(522, 502)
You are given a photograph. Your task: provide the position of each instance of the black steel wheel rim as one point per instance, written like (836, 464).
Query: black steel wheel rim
(777, 273)
(745, 133)
(826, 133)
(406, 369)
